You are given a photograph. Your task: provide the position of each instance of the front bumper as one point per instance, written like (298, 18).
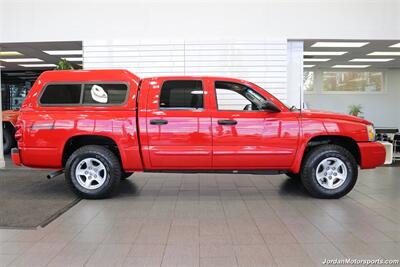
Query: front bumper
(15, 156)
(372, 154)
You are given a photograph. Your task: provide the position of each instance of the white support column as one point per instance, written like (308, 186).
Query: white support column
(2, 162)
(295, 92)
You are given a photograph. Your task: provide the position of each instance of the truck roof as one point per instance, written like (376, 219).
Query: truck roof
(83, 75)
(112, 75)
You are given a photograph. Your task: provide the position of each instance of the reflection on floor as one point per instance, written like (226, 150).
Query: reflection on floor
(217, 220)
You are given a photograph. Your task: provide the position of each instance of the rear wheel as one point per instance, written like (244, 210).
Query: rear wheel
(93, 172)
(329, 171)
(8, 139)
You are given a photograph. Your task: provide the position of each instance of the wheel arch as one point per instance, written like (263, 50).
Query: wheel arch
(344, 141)
(77, 141)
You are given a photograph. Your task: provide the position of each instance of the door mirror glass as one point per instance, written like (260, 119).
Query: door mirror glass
(270, 106)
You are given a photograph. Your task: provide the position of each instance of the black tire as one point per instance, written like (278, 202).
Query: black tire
(8, 139)
(112, 174)
(309, 171)
(125, 175)
(294, 176)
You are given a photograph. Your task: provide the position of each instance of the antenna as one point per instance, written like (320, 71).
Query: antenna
(301, 98)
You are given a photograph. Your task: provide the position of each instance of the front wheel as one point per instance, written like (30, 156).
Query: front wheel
(329, 171)
(93, 172)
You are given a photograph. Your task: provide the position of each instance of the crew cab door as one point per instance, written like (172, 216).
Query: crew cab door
(178, 124)
(247, 137)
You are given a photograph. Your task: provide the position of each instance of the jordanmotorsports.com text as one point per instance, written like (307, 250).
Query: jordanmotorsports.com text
(346, 261)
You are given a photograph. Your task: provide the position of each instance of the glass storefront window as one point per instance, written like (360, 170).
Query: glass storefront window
(14, 94)
(308, 81)
(352, 81)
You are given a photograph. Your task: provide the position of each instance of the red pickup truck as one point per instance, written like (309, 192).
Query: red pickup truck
(100, 126)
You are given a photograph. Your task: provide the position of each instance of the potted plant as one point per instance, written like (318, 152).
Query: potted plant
(63, 64)
(355, 110)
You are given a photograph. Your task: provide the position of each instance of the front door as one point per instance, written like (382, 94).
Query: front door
(247, 137)
(178, 124)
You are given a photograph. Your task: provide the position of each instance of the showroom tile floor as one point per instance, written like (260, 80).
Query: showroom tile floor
(217, 220)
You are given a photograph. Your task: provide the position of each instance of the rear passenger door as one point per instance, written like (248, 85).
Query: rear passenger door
(178, 124)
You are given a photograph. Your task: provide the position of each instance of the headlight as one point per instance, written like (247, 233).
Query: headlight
(371, 132)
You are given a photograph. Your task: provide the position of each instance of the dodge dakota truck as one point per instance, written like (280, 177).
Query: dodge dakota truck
(100, 126)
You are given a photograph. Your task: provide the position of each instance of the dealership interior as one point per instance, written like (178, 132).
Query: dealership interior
(211, 219)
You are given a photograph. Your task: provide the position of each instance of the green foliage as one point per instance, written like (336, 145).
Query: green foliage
(355, 110)
(63, 64)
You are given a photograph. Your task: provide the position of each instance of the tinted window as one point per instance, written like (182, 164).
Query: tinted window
(60, 94)
(105, 93)
(181, 95)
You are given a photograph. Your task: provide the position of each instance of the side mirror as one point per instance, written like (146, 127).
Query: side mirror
(270, 106)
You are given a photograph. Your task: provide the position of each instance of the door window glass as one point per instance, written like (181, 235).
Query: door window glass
(234, 96)
(182, 94)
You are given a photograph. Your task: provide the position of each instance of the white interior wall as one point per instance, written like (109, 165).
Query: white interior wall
(295, 74)
(261, 62)
(380, 108)
(49, 20)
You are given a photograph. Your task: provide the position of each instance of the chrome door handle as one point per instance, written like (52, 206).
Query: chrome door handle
(227, 122)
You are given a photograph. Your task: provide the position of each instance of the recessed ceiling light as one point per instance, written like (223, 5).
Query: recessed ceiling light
(371, 59)
(395, 45)
(10, 53)
(339, 44)
(63, 52)
(26, 73)
(21, 60)
(73, 58)
(350, 66)
(37, 65)
(316, 59)
(308, 66)
(26, 78)
(324, 53)
(384, 53)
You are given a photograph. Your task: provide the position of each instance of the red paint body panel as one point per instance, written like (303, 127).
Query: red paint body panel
(192, 139)
(372, 154)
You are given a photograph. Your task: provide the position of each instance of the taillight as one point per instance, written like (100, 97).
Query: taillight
(18, 130)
